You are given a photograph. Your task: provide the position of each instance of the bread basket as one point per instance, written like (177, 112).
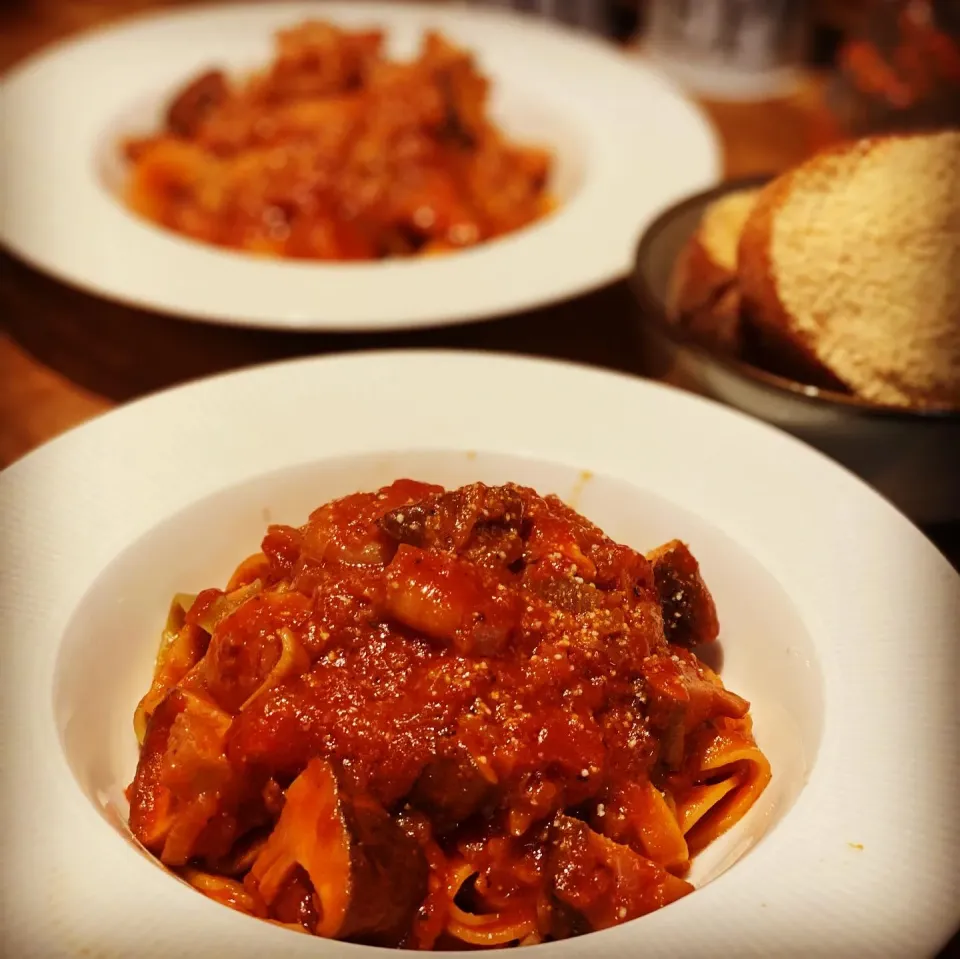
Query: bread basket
(911, 456)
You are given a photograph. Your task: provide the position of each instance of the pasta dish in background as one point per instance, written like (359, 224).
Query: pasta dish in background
(336, 152)
(439, 719)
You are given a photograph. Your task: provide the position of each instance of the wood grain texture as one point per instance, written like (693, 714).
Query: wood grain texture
(37, 402)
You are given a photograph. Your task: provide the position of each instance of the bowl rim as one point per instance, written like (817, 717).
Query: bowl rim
(653, 312)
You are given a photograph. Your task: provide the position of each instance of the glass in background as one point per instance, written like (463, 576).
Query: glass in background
(616, 19)
(729, 49)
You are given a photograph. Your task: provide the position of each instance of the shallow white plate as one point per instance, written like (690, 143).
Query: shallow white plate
(627, 145)
(839, 624)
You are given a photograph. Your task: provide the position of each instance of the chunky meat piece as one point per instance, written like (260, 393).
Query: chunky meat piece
(681, 695)
(318, 59)
(679, 681)
(452, 788)
(465, 92)
(449, 520)
(566, 593)
(689, 613)
(368, 875)
(602, 882)
(282, 546)
(348, 530)
(184, 783)
(451, 601)
(194, 104)
(295, 902)
(151, 814)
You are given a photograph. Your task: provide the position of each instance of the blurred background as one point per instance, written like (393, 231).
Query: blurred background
(875, 63)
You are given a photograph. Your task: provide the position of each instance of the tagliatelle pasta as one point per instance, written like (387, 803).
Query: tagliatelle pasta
(439, 719)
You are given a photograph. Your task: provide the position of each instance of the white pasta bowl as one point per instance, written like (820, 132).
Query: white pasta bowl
(838, 623)
(625, 141)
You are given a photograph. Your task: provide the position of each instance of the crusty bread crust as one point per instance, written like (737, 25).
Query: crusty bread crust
(796, 353)
(702, 294)
(696, 280)
(836, 344)
(708, 263)
(758, 288)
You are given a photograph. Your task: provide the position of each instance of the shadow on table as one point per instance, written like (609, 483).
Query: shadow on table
(122, 353)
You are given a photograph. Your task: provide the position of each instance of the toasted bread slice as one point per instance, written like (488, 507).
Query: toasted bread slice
(852, 261)
(703, 284)
(708, 262)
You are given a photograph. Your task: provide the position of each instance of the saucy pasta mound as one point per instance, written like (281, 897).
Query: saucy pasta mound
(436, 719)
(336, 152)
